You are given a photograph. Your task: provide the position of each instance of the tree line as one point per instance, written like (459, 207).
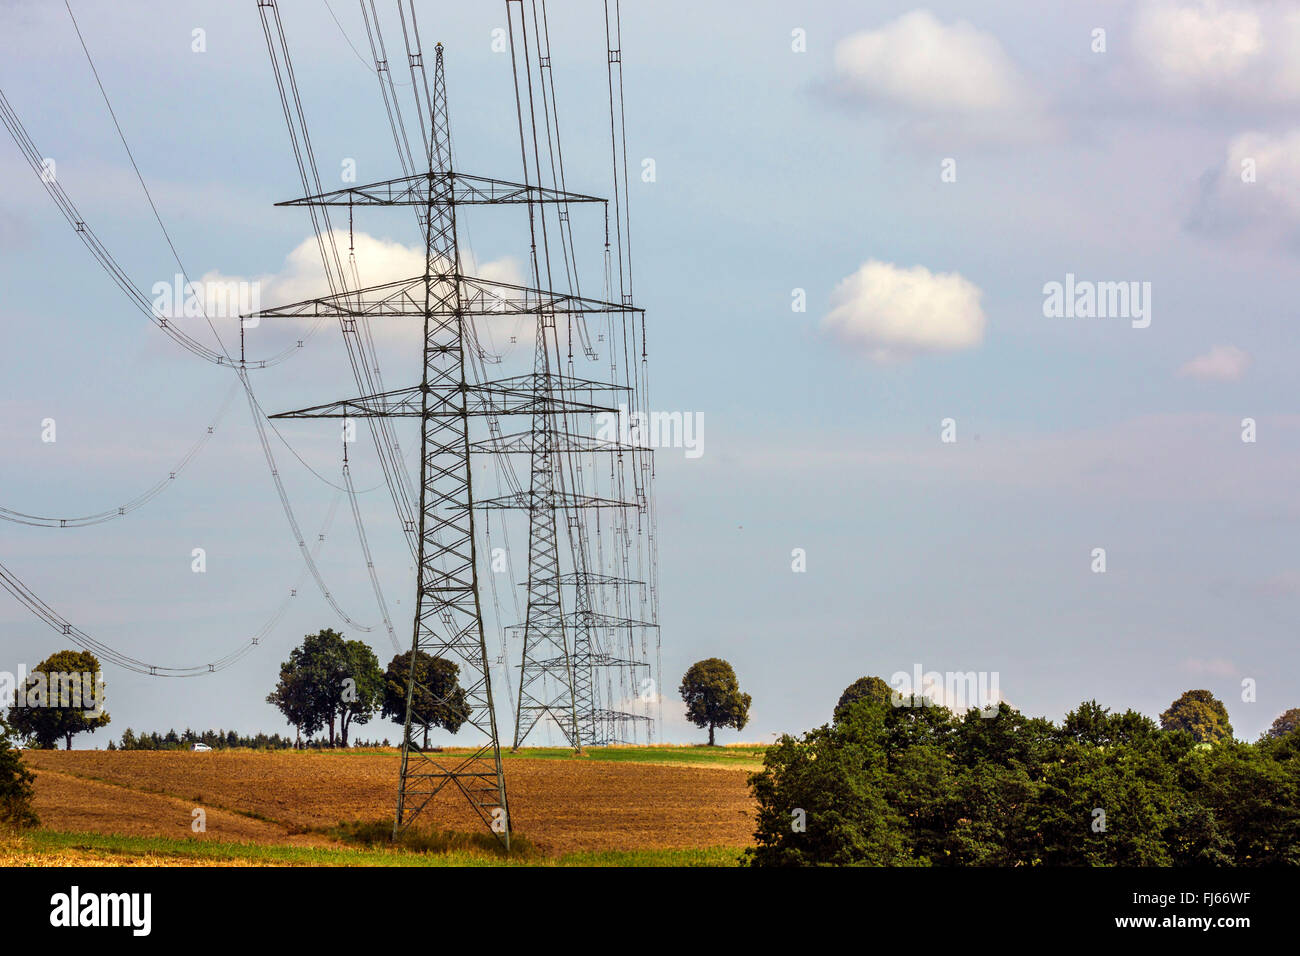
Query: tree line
(327, 687)
(216, 739)
(893, 782)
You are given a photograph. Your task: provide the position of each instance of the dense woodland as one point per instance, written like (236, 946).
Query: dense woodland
(918, 786)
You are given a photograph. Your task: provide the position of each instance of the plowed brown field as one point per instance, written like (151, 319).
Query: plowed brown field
(560, 805)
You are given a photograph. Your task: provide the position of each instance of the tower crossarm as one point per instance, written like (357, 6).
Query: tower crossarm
(417, 190)
(406, 297)
(490, 297)
(595, 660)
(551, 381)
(522, 443)
(597, 580)
(557, 501)
(598, 620)
(487, 400)
(619, 715)
(402, 403)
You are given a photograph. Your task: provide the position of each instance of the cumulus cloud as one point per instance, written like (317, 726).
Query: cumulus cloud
(302, 277)
(1220, 49)
(954, 72)
(378, 261)
(1223, 363)
(1256, 187)
(894, 313)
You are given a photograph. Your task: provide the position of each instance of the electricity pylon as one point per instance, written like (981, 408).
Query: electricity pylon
(449, 619)
(555, 681)
(546, 669)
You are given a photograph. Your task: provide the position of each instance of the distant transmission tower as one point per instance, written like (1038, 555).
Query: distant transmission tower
(449, 618)
(554, 681)
(563, 654)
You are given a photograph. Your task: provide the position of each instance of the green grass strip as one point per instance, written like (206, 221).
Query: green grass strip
(201, 851)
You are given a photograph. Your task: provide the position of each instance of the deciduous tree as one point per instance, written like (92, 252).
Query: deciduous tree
(713, 697)
(864, 688)
(62, 697)
(439, 699)
(1201, 714)
(15, 784)
(1287, 722)
(329, 682)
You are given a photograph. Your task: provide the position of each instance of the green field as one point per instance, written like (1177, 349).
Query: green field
(742, 756)
(122, 849)
(738, 756)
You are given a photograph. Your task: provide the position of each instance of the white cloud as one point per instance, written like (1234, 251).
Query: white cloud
(1220, 49)
(1186, 45)
(949, 79)
(1276, 160)
(302, 277)
(917, 62)
(1256, 187)
(895, 313)
(1223, 363)
(378, 261)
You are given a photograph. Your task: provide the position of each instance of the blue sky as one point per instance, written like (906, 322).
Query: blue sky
(777, 170)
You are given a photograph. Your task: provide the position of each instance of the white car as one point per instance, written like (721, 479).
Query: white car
(200, 748)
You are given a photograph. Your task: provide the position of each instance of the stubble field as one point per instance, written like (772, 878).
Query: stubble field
(563, 806)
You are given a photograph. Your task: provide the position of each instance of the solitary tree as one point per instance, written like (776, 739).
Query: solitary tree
(864, 688)
(15, 785)
(713, 698)
(439, 699)
(62, 697)
(1285, 723)
(1201, 714)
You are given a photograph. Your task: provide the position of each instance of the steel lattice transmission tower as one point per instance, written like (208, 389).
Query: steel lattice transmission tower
(563, 651)
(449, 618)
(546, 671)
(559, 660)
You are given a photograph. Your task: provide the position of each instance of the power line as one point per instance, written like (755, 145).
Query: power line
(105, 259)
(139, 501)
(107, 653)
(259, 418)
